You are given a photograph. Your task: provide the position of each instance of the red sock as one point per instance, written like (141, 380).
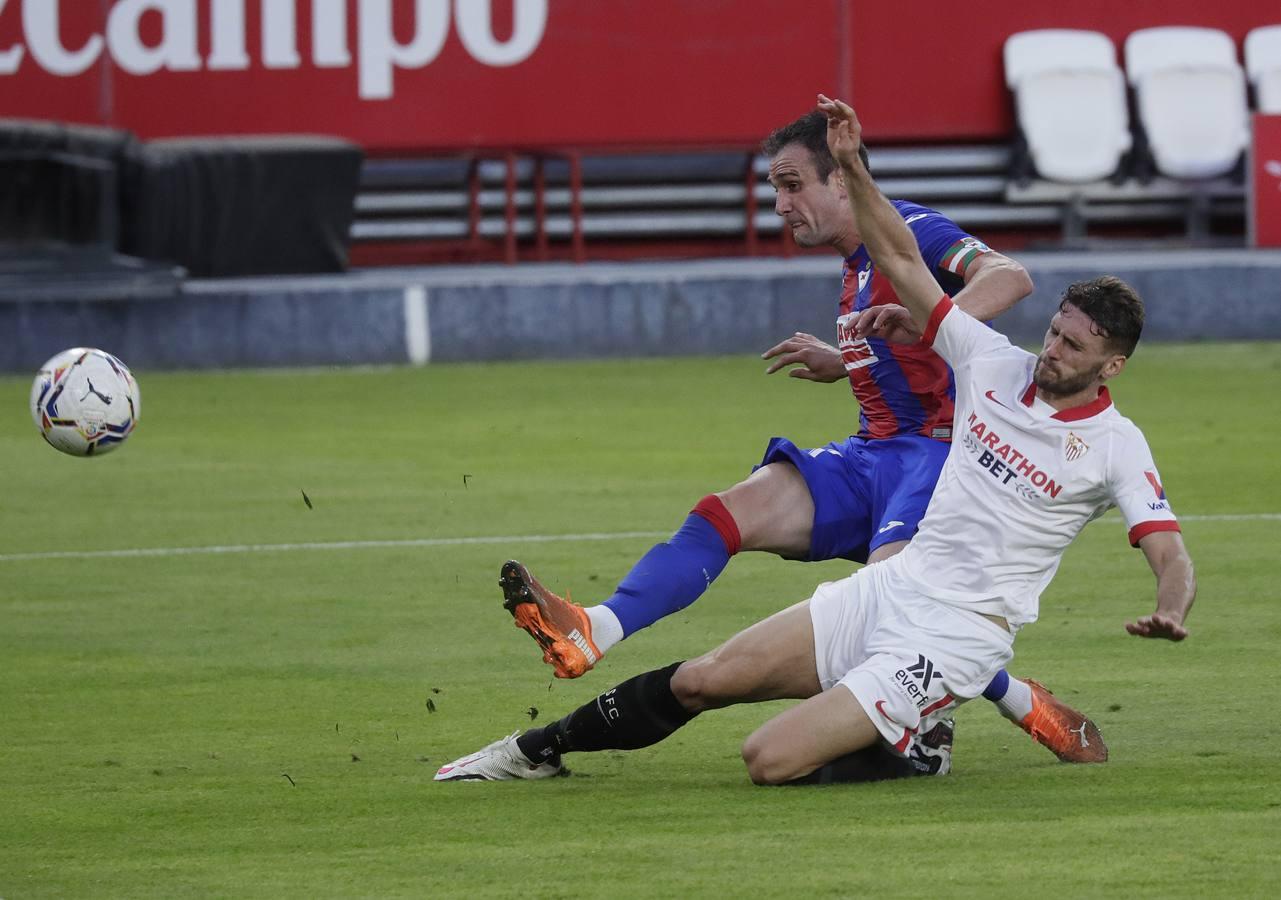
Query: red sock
(713, 510)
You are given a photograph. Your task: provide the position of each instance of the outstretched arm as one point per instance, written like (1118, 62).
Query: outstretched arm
(1175, 587)
(993, 283)
(889, 241)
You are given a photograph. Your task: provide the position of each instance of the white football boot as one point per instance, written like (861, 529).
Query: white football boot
(500, 761)
(931, 752)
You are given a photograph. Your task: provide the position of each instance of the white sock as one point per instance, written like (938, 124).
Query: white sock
(606, 629)
(1016, 705)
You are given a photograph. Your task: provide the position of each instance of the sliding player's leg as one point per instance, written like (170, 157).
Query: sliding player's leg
(771, 660)
(893, 664)
(804, 738)
(798, 653)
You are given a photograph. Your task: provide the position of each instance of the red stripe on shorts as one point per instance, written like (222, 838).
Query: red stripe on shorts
(938, 704)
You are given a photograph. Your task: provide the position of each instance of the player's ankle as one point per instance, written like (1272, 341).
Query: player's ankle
(1016, 704)
(606, 629)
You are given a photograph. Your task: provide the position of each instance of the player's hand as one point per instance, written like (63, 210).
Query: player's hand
(889, 322)
(815, 359)
(1157, 626)
(844, 133)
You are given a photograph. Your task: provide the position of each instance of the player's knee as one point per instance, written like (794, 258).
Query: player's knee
(768, 762)
(701, 684)
(748, 500)
(738, 508)
(772, 509)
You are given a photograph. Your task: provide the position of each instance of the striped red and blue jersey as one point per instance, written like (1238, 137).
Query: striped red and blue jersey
(903, 388)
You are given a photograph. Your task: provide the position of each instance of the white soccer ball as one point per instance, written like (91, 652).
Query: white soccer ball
(85, 402)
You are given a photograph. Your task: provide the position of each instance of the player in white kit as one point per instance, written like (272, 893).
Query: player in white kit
(880, 656)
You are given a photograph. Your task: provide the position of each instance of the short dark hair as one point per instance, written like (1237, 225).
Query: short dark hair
(1115, 308)
(810, 131)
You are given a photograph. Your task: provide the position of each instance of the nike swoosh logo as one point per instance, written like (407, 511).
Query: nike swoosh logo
(989, 396)
(459, 765)
(880, 708)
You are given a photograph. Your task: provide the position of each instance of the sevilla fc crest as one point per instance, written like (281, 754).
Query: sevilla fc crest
(1075, 448)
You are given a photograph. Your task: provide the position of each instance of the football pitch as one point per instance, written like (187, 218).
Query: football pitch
(214, 688)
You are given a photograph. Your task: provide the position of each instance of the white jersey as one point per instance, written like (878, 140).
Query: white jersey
(1021, 480)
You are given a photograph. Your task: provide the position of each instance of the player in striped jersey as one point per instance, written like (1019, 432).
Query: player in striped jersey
(859, 498)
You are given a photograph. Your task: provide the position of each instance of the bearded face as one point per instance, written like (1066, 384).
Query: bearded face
(1056, 379)
(1074, 355)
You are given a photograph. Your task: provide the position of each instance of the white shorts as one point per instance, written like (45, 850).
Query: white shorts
(904, 657)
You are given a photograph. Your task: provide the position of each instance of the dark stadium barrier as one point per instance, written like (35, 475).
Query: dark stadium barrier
(223, 207)
(57, 198)
(216, 207)
(61, 183)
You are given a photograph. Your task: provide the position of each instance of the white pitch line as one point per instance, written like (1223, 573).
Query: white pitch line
(449, 542)
(1230, 517)
(328, 545)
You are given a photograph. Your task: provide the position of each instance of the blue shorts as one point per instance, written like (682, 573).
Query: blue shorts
(866, 492)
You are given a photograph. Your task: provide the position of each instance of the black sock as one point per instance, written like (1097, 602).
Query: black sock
(639, 712)
(873, 763)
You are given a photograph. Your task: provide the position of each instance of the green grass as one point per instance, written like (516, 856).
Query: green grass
(152, 706)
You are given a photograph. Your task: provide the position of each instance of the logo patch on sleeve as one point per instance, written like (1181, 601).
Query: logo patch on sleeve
(1155, 481)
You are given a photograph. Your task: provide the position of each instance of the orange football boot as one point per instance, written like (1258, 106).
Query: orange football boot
(561, 627)
(1068, 734)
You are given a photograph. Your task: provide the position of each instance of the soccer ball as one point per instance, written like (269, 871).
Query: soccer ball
(85, 402)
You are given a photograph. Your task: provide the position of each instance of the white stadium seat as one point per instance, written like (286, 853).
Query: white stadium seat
(1191, 99)
(1070, 98)
(1263, 64)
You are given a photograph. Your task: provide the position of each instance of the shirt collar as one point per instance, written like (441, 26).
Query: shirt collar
(1073, 413)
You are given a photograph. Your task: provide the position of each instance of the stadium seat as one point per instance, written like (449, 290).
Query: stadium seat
(1190, 97)
(1263, 64)
(1070, 97)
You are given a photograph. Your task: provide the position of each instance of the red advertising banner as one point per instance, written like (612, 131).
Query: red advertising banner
(454, 74)
(419, 74)
(1265, 179)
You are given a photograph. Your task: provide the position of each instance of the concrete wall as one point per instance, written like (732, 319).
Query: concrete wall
(560, 311)
(1189, 295)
